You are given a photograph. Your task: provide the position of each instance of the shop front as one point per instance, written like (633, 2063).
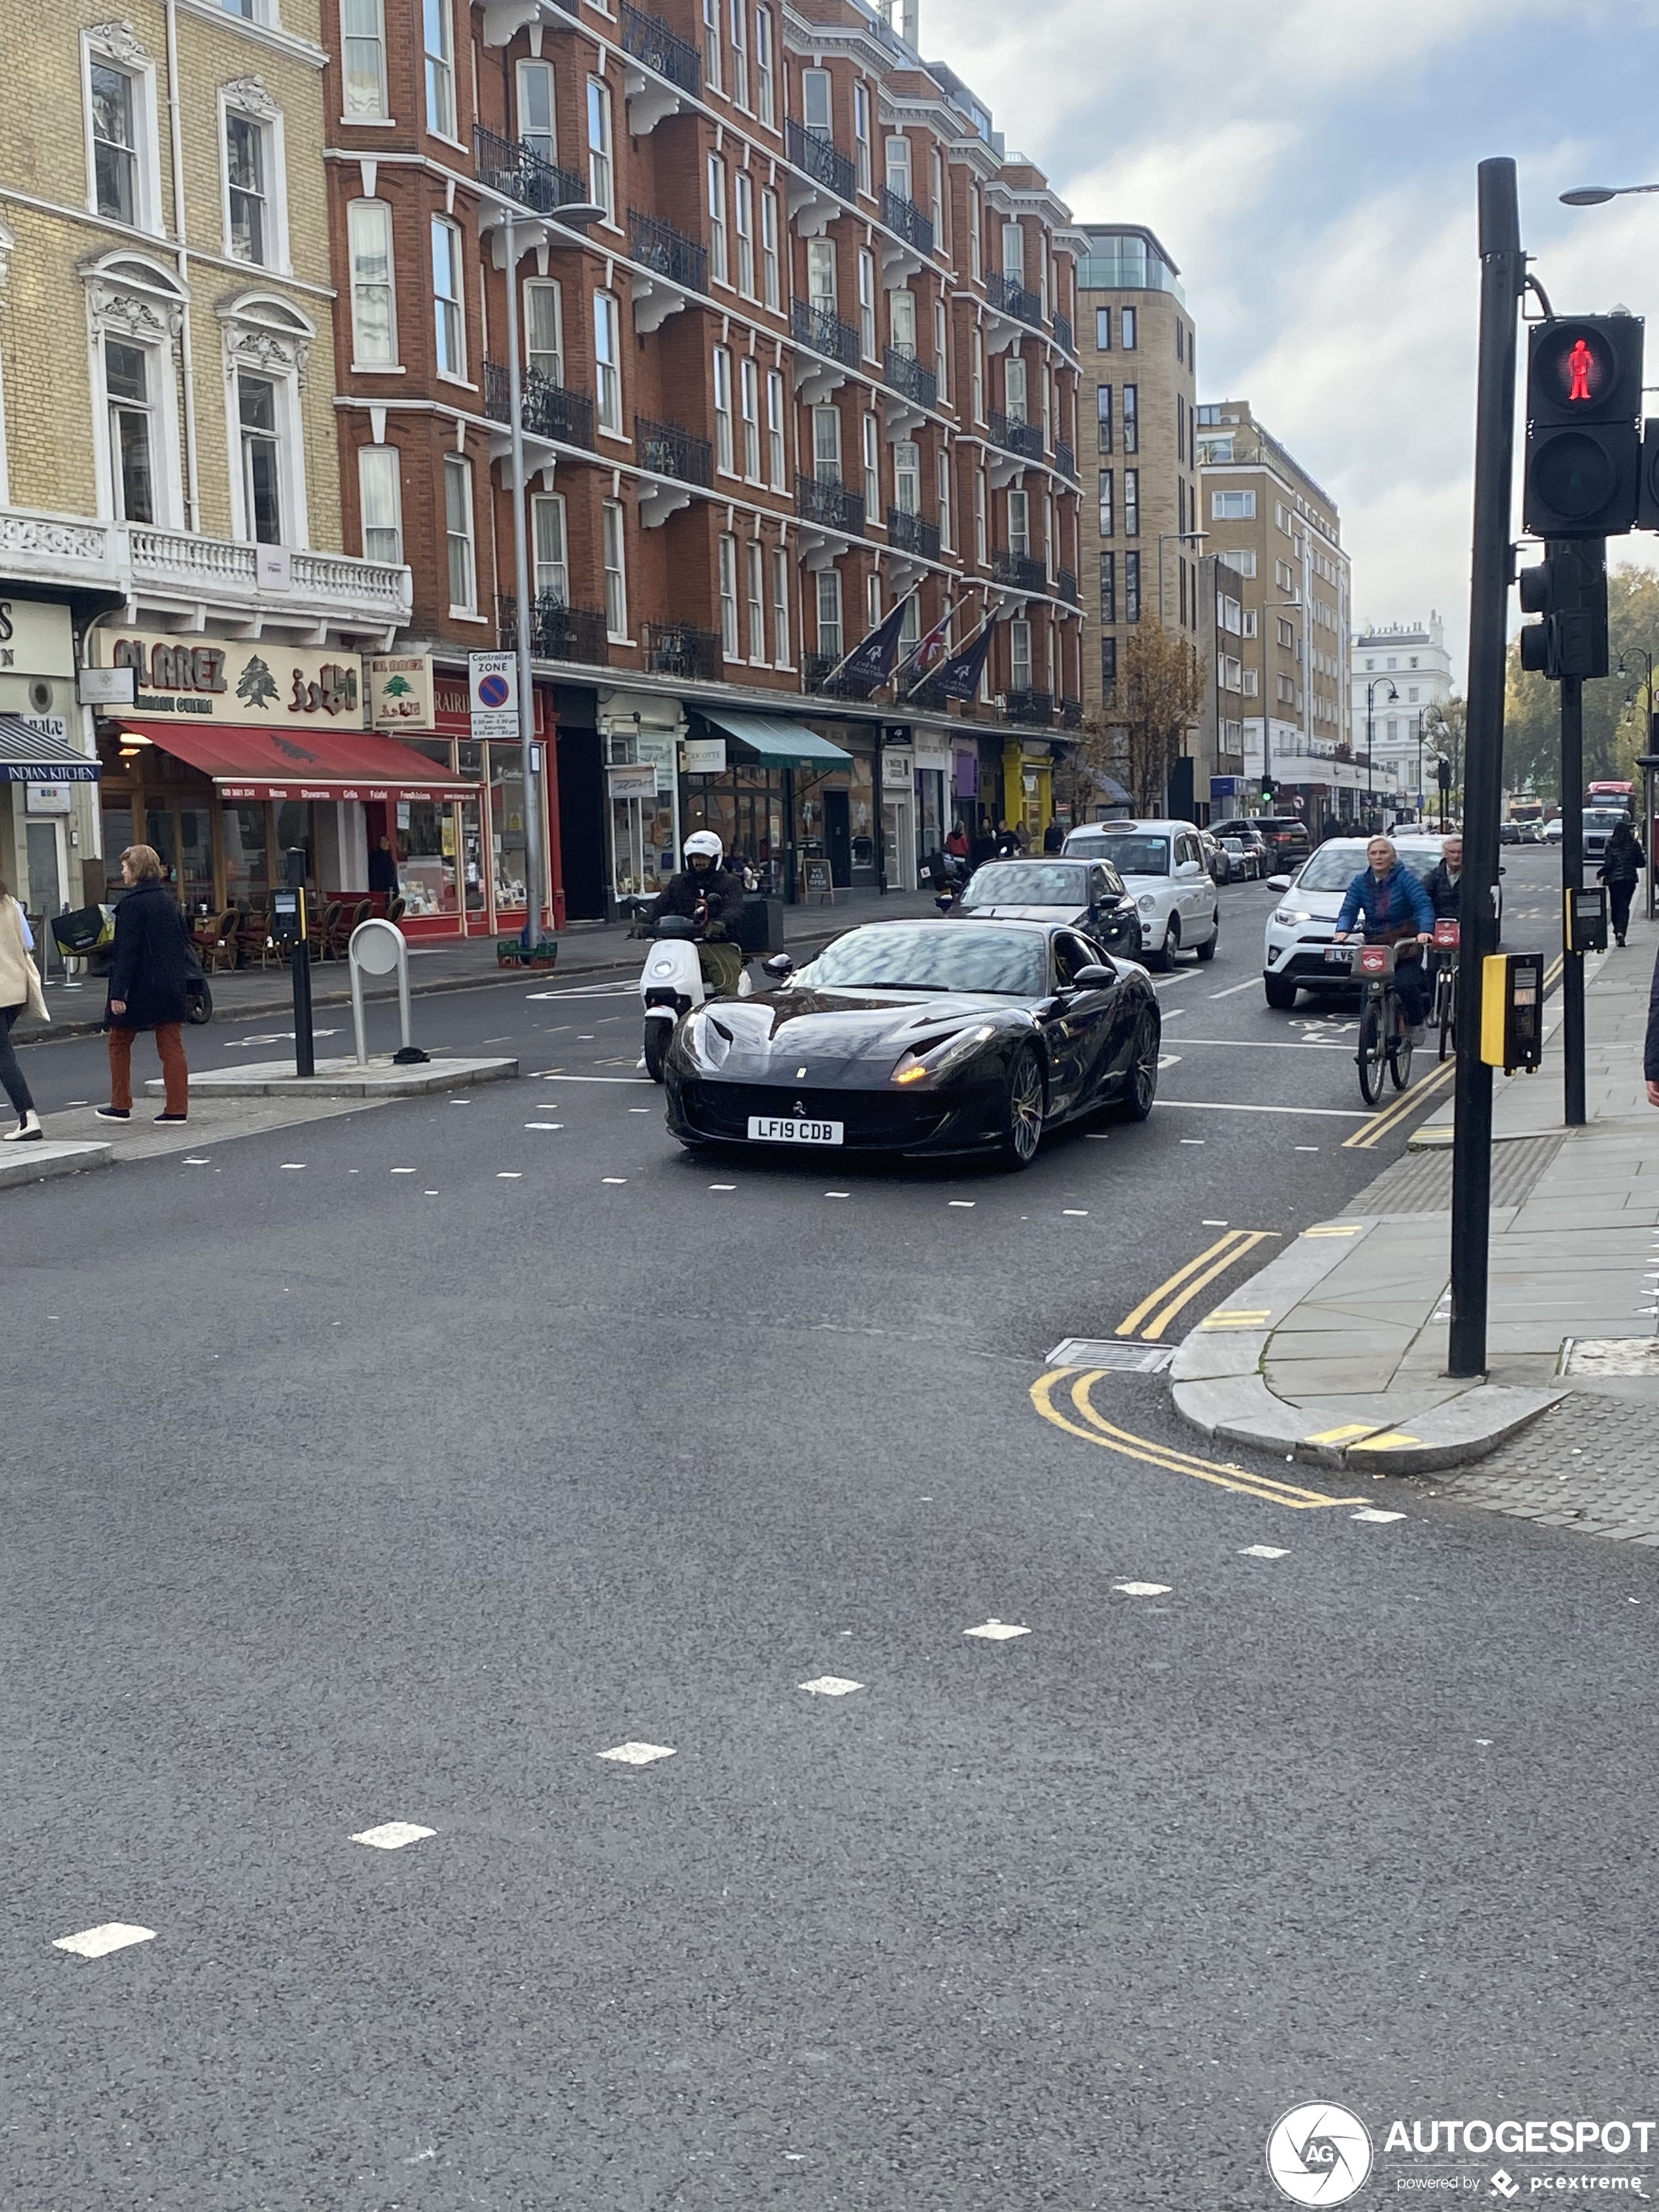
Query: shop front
(44, 780)
(475, 859)
(640, 734)
(1028, 789)
(781, 794)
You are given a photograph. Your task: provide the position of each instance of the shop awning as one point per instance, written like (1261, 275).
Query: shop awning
(778, 744)
(28, 755)
(249, 762)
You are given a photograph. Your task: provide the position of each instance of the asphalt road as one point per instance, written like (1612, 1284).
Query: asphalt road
(395, 1468)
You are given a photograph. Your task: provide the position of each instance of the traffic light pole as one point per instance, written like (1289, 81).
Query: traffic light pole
(1503, 279)
(1573, 879)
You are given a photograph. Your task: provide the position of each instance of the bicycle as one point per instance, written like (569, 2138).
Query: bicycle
(1385, 1037)
(1448, 936)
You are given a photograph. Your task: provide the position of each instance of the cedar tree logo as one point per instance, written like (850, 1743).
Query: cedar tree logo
(1319, 2155)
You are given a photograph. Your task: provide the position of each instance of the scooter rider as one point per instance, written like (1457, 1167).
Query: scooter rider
(709, 894)
(1397, 911)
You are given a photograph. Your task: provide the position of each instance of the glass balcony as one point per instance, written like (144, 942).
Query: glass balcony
(826, 499)
(812, 322)
(548, 409)
(556, 632)
(658, 246)
(905, 218)
(909, 533)
(816, 153)
(650, 40)
(901, 369)
(508, 166)
(670, 450)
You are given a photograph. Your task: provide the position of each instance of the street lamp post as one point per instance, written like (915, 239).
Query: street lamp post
(1598, 195)
(1182, 537)
(1394, 696)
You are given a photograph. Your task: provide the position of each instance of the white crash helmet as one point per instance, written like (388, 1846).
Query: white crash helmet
(704, 842)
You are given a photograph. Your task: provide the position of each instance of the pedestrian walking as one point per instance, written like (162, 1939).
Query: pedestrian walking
(1622, 861)
(149, 979)
(1651, 1058)
(19, 994)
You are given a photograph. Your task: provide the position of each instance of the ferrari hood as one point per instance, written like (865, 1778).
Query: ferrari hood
(778, 1033)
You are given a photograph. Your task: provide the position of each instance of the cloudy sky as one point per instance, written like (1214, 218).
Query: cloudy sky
(1309, 165)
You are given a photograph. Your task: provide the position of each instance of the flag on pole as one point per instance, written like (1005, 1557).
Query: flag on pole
(925, 656)
(871, 661)
(961, 673)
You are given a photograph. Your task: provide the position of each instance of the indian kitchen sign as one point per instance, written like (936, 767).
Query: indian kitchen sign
(233, 680)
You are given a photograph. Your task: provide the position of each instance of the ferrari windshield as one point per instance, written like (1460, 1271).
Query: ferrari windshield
(1030, 883)
(1136, 854)
(897, 956)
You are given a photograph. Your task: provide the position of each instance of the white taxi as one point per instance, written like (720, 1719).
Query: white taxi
(1164, 871)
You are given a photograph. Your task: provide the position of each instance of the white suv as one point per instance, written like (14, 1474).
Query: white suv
(1163, 870)
(1305, 921)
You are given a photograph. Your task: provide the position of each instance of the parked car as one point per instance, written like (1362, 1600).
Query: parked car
(1287, 838)
(1088, 894)
(1163, 865)
(920, 1036)
(1304, 923)
(1508, 833)
(1553, 830)
(1216, 858)
(1253, 844)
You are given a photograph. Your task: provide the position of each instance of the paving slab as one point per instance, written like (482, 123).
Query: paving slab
(44, 1161)
(344, 1078)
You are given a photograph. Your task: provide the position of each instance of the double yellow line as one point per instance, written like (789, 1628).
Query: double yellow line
(1184, 1285)
(1094, 1429)
(1385, 1123)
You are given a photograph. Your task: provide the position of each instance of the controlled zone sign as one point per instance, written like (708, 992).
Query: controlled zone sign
(493, 679)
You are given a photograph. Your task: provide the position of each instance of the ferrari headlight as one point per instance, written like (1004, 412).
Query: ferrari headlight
(709, 1042)
(942, 1058)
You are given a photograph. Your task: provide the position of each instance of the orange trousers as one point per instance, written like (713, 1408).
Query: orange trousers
(169, 1044)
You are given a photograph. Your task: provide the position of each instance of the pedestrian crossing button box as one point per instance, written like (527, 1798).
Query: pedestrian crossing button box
(288, 917)
(1512, 1011)
(1587, 919)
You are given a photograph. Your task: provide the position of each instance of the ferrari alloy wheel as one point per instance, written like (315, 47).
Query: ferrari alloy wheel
(1140, 1086)
(1025, 1108)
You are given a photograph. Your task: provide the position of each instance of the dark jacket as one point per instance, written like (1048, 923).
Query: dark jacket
(1621, 859)
(1651, 1058)
(715, 899)
(153, 962)
(383, 873)
(1393, 904)
(1443, 890)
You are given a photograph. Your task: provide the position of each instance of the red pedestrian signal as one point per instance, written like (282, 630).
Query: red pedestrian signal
(1583, 441)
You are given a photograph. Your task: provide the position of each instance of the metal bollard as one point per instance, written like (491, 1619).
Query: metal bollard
(377, 948)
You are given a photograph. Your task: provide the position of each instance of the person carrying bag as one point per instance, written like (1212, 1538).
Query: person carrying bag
(19, 994)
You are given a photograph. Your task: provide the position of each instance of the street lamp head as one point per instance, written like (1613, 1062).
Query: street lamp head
(1588, 195)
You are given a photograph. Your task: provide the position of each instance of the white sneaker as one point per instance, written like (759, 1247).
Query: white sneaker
(28, 1131)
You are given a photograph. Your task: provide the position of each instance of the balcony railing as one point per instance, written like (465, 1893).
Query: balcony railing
(818, 675)
(650, 40)
(670, 450)
(509, 167)
(928, 696)
(1027, 706)
(1012, 296)
(1065, 338)
(658, 246)
(1065, 459)
(811, 324)
(816, 153)
(548, 409)
(826, 500)
(904, 216)
(556, 632)
(1071, 713)
(901, 369)
(1015, 436)
(1066, 585)
(1019, 569)
(679, 649)
(909, 533)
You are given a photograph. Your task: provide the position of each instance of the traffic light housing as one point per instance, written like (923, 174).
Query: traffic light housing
(1267, 786)
(1584, 450)
(1442, 773)
(1569, 588)
(1647, 494)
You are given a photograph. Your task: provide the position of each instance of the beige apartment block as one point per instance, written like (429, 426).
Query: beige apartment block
(1141, 551)
(1280, 531)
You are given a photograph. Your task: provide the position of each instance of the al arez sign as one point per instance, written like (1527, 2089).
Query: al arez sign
(232, 680)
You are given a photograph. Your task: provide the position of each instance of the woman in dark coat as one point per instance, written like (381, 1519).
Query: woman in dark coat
(150, 977)
(1621, 863)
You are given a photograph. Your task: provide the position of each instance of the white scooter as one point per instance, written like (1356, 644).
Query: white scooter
(670, 984)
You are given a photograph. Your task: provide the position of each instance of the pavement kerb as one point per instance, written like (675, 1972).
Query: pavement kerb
(1220, 1382)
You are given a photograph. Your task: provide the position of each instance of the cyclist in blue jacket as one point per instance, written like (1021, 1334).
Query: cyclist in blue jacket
(1397, 908)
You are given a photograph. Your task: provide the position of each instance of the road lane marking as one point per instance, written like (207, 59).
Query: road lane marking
(1341, 1436)
(1143, 1589)
(996, 1631)
(1262, 1551)
(1334, 1228)
(1374, 1513)
(392, 1835)
(509, 1174)
(1227, 1106)
(558, 1075)
(1385, 1123)
(1242, 1241)
(1236, 1317)
(98, 1942)
(1133, 1319)
(831, 1686)
(1266, 1044)
(546, 1125)
(1232, 989)
(1109, 1437)
(636, 1755)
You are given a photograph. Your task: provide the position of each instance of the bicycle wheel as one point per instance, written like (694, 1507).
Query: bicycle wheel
(1400, 1046)
(1371, 1052)
(1446, 1011)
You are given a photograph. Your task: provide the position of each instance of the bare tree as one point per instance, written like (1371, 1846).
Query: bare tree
(1155, 702)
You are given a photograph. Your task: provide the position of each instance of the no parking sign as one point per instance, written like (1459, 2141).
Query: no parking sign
(494, 681)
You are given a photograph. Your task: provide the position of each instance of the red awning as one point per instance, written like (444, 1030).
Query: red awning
(247, 761)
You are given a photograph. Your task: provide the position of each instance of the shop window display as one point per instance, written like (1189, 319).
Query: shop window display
(247, 857)
(426, 869)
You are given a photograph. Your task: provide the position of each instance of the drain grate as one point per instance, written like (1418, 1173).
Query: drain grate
(1122, 1356)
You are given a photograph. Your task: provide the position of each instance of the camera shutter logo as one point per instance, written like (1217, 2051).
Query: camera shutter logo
(1319, 2154)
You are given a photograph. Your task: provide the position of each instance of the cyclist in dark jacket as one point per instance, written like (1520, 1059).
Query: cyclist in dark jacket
(1622, 861)
(1398, 911)
(1445, 883)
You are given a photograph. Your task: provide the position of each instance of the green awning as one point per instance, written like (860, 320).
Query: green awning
(778, 744)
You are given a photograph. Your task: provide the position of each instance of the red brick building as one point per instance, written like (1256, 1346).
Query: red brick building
(796, 342)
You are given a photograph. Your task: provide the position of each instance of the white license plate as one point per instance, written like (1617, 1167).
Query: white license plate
(780, 1129)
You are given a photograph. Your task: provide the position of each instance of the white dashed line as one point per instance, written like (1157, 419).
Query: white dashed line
(402, 1170)
(613, 1178)
(838, 1193)
(637, 1754)
(1374, 1513)
(544, 1125)
(722, 1186)
(967, 1203)
(996, 1631)
(195, 1164)
(98, 1942)
(509, 1174)
(1075, 1212)
(296, 1165)
(1143, 1589)
(831, 1686)
(1194, 1140)
(1307, 1148)
(1212, 1225)
(1248, 984)
(392, 1835)
(429, 1194)
(1262, 1551)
